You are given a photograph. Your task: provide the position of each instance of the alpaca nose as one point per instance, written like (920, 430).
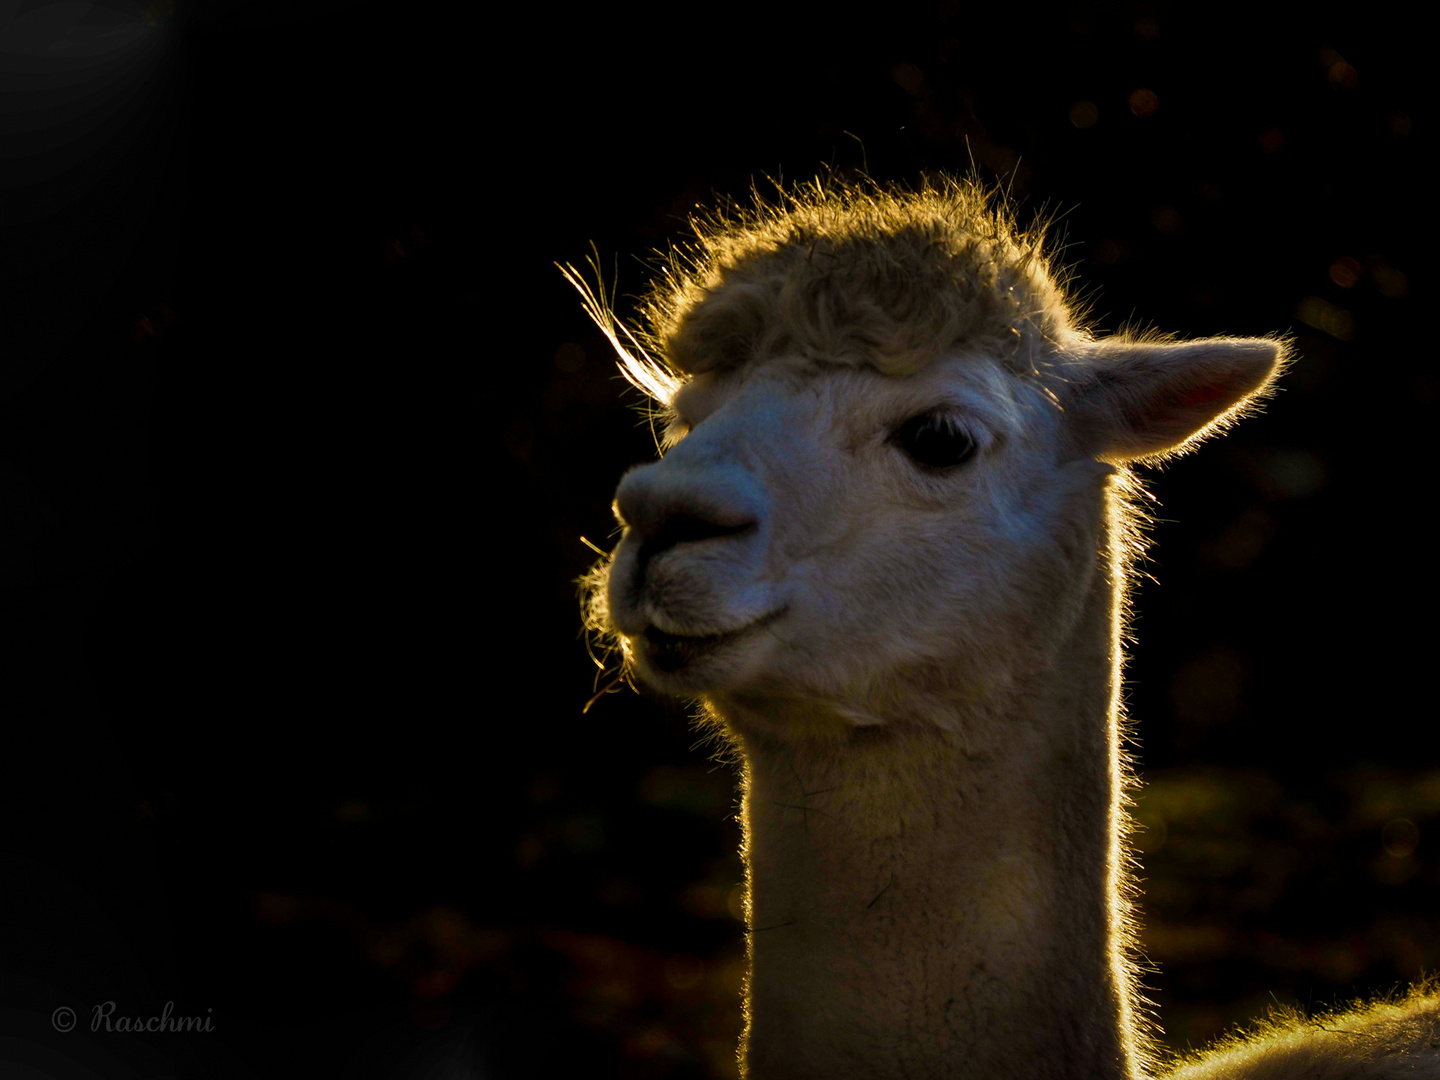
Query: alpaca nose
(667, 507)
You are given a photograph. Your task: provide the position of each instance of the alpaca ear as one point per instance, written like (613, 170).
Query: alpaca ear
(1131, 400)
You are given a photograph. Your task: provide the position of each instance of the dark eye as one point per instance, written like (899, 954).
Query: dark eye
(935, 441)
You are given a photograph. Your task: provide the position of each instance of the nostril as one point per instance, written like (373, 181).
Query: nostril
(681, 528)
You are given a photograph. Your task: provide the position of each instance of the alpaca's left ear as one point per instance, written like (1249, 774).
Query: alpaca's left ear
(1130, 400)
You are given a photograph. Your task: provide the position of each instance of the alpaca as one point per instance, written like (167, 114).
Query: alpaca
(886, 548)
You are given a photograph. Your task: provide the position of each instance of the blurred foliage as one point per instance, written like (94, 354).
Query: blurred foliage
(1259, 891)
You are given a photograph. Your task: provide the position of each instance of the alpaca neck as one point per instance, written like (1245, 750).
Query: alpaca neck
(929, 902)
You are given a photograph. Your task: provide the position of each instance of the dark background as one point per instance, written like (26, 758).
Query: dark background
(300, 430)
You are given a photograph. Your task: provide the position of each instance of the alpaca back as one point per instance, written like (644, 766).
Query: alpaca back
(1386, 1040)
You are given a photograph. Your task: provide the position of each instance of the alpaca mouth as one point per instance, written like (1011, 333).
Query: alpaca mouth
(670, 652)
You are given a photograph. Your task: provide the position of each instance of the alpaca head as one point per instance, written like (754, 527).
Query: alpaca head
(889, 447)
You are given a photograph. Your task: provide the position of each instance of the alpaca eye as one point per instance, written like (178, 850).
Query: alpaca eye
(935, 441)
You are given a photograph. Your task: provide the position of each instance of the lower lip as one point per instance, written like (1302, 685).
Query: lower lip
(670, 652)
